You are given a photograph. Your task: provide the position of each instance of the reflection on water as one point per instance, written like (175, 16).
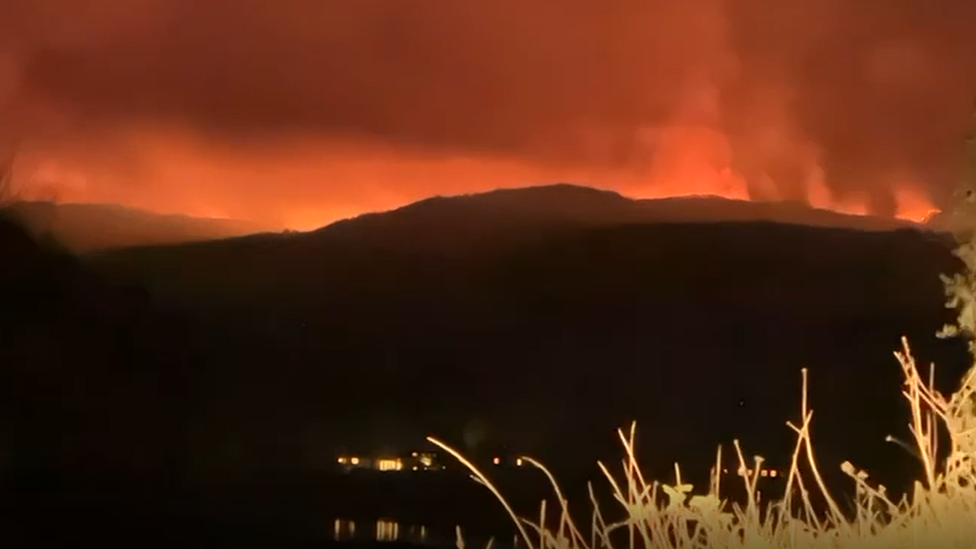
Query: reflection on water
(380, 530)
(386, 530)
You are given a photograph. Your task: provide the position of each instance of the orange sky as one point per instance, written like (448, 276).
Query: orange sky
(298, 112)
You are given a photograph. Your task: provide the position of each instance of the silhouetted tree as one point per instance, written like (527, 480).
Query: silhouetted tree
(961, 287)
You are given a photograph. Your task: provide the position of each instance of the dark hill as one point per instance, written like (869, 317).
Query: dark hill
(547, 337)
(507, 215)
(235, 369)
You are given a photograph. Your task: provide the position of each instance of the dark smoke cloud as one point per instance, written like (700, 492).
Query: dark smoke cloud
(869, 92)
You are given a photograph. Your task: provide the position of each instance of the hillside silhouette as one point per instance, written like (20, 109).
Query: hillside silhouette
(506, 215)
(485, 324)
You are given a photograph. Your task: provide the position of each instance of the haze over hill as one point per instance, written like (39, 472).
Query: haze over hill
(84, 228)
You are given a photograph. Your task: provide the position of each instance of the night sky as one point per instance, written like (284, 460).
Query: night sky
(301, 111)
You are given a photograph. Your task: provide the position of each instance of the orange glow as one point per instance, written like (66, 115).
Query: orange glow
(912, 204)
(301, 112)
(310, 183)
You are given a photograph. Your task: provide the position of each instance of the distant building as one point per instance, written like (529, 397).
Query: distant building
(389, 464)
(411, 461)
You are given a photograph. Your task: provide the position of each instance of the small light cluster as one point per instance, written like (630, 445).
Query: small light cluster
(415, 461)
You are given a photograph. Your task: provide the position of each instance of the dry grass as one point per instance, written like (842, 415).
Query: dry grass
(940, 511)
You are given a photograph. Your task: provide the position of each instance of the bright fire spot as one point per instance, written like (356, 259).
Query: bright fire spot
(913, 205)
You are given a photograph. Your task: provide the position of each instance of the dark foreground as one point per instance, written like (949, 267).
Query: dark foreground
(278, 515)
(356, 509)
(191, 395)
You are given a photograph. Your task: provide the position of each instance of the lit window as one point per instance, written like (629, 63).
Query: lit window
(774, 473)
(765, 472)
(389, 464)
(342, 461)
(518, 462)
(496, 460)
(354, 460)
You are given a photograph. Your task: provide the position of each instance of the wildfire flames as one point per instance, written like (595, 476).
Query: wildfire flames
(311, 186)
(911, 203)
